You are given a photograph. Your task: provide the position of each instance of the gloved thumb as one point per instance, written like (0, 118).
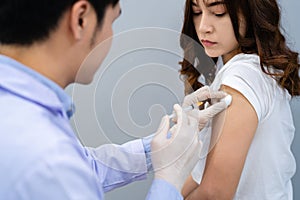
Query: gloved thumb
(163, 127)
(214, 109)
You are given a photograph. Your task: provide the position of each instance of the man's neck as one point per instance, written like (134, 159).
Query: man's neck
(39, 57)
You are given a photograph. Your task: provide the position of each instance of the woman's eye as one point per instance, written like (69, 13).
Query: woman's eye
(220, 15)
(218, 10)
(197, 13)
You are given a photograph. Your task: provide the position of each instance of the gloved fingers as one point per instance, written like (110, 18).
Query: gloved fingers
(203, 116)
(177, 172)
(187, 150)
(197, 148)
(192, 154)
(174, 119)
(209, 112)
(173, 128)
(195, 113)
(181, 122)
(193, 120)
(217, 94)
(196, 153)
(190, 130)
(184, 140)
(163, 128)
(202, 94)
(159, 142)
(172, 150)
(199, 95)
(182, 135)
(214, 109)
(181, 117)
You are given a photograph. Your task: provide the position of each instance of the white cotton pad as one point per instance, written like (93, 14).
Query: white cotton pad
(227, 100)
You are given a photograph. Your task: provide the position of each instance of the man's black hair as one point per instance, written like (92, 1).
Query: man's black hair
(23, 22)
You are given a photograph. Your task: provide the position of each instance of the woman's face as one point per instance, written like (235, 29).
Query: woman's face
(214, 28)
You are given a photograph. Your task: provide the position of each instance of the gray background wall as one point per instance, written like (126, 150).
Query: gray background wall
(113, 109)
(290, 22)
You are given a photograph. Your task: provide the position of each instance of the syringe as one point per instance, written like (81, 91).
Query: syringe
(226, 99)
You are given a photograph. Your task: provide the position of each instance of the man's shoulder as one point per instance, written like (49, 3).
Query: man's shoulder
(29, 131)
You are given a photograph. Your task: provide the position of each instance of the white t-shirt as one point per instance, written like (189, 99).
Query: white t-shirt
(270, 163)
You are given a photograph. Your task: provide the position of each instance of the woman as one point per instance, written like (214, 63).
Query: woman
(252, 158)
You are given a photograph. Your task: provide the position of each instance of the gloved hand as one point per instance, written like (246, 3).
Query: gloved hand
(201, 95)
(174, 157)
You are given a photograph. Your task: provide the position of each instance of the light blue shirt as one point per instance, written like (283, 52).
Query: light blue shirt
(40, 156)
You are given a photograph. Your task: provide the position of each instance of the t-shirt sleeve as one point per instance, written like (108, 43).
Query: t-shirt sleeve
(252, 84)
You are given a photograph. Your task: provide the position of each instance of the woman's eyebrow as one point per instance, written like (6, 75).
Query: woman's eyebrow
(215, 3)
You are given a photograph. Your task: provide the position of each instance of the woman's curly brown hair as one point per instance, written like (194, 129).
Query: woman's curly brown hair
(263, 37)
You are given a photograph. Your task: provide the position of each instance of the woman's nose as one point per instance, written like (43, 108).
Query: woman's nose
(205, 25)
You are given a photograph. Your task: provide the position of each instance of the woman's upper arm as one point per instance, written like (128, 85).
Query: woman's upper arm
(235, 129)
(189, 186)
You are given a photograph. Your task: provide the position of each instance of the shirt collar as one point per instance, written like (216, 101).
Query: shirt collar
(21, 86)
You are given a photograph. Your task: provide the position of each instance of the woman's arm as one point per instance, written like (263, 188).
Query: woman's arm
(189, 186)
(224, 164)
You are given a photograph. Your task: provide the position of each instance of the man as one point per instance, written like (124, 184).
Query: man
(42, 46)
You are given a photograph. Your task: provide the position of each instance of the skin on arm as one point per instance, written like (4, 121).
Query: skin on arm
(224, 164)
(189, 186)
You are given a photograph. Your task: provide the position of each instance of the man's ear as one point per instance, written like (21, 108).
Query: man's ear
(79, 14)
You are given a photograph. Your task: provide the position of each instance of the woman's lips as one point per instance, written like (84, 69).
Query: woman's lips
(208, 43)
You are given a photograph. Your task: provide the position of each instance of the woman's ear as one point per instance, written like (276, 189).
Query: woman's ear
(79, 14)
